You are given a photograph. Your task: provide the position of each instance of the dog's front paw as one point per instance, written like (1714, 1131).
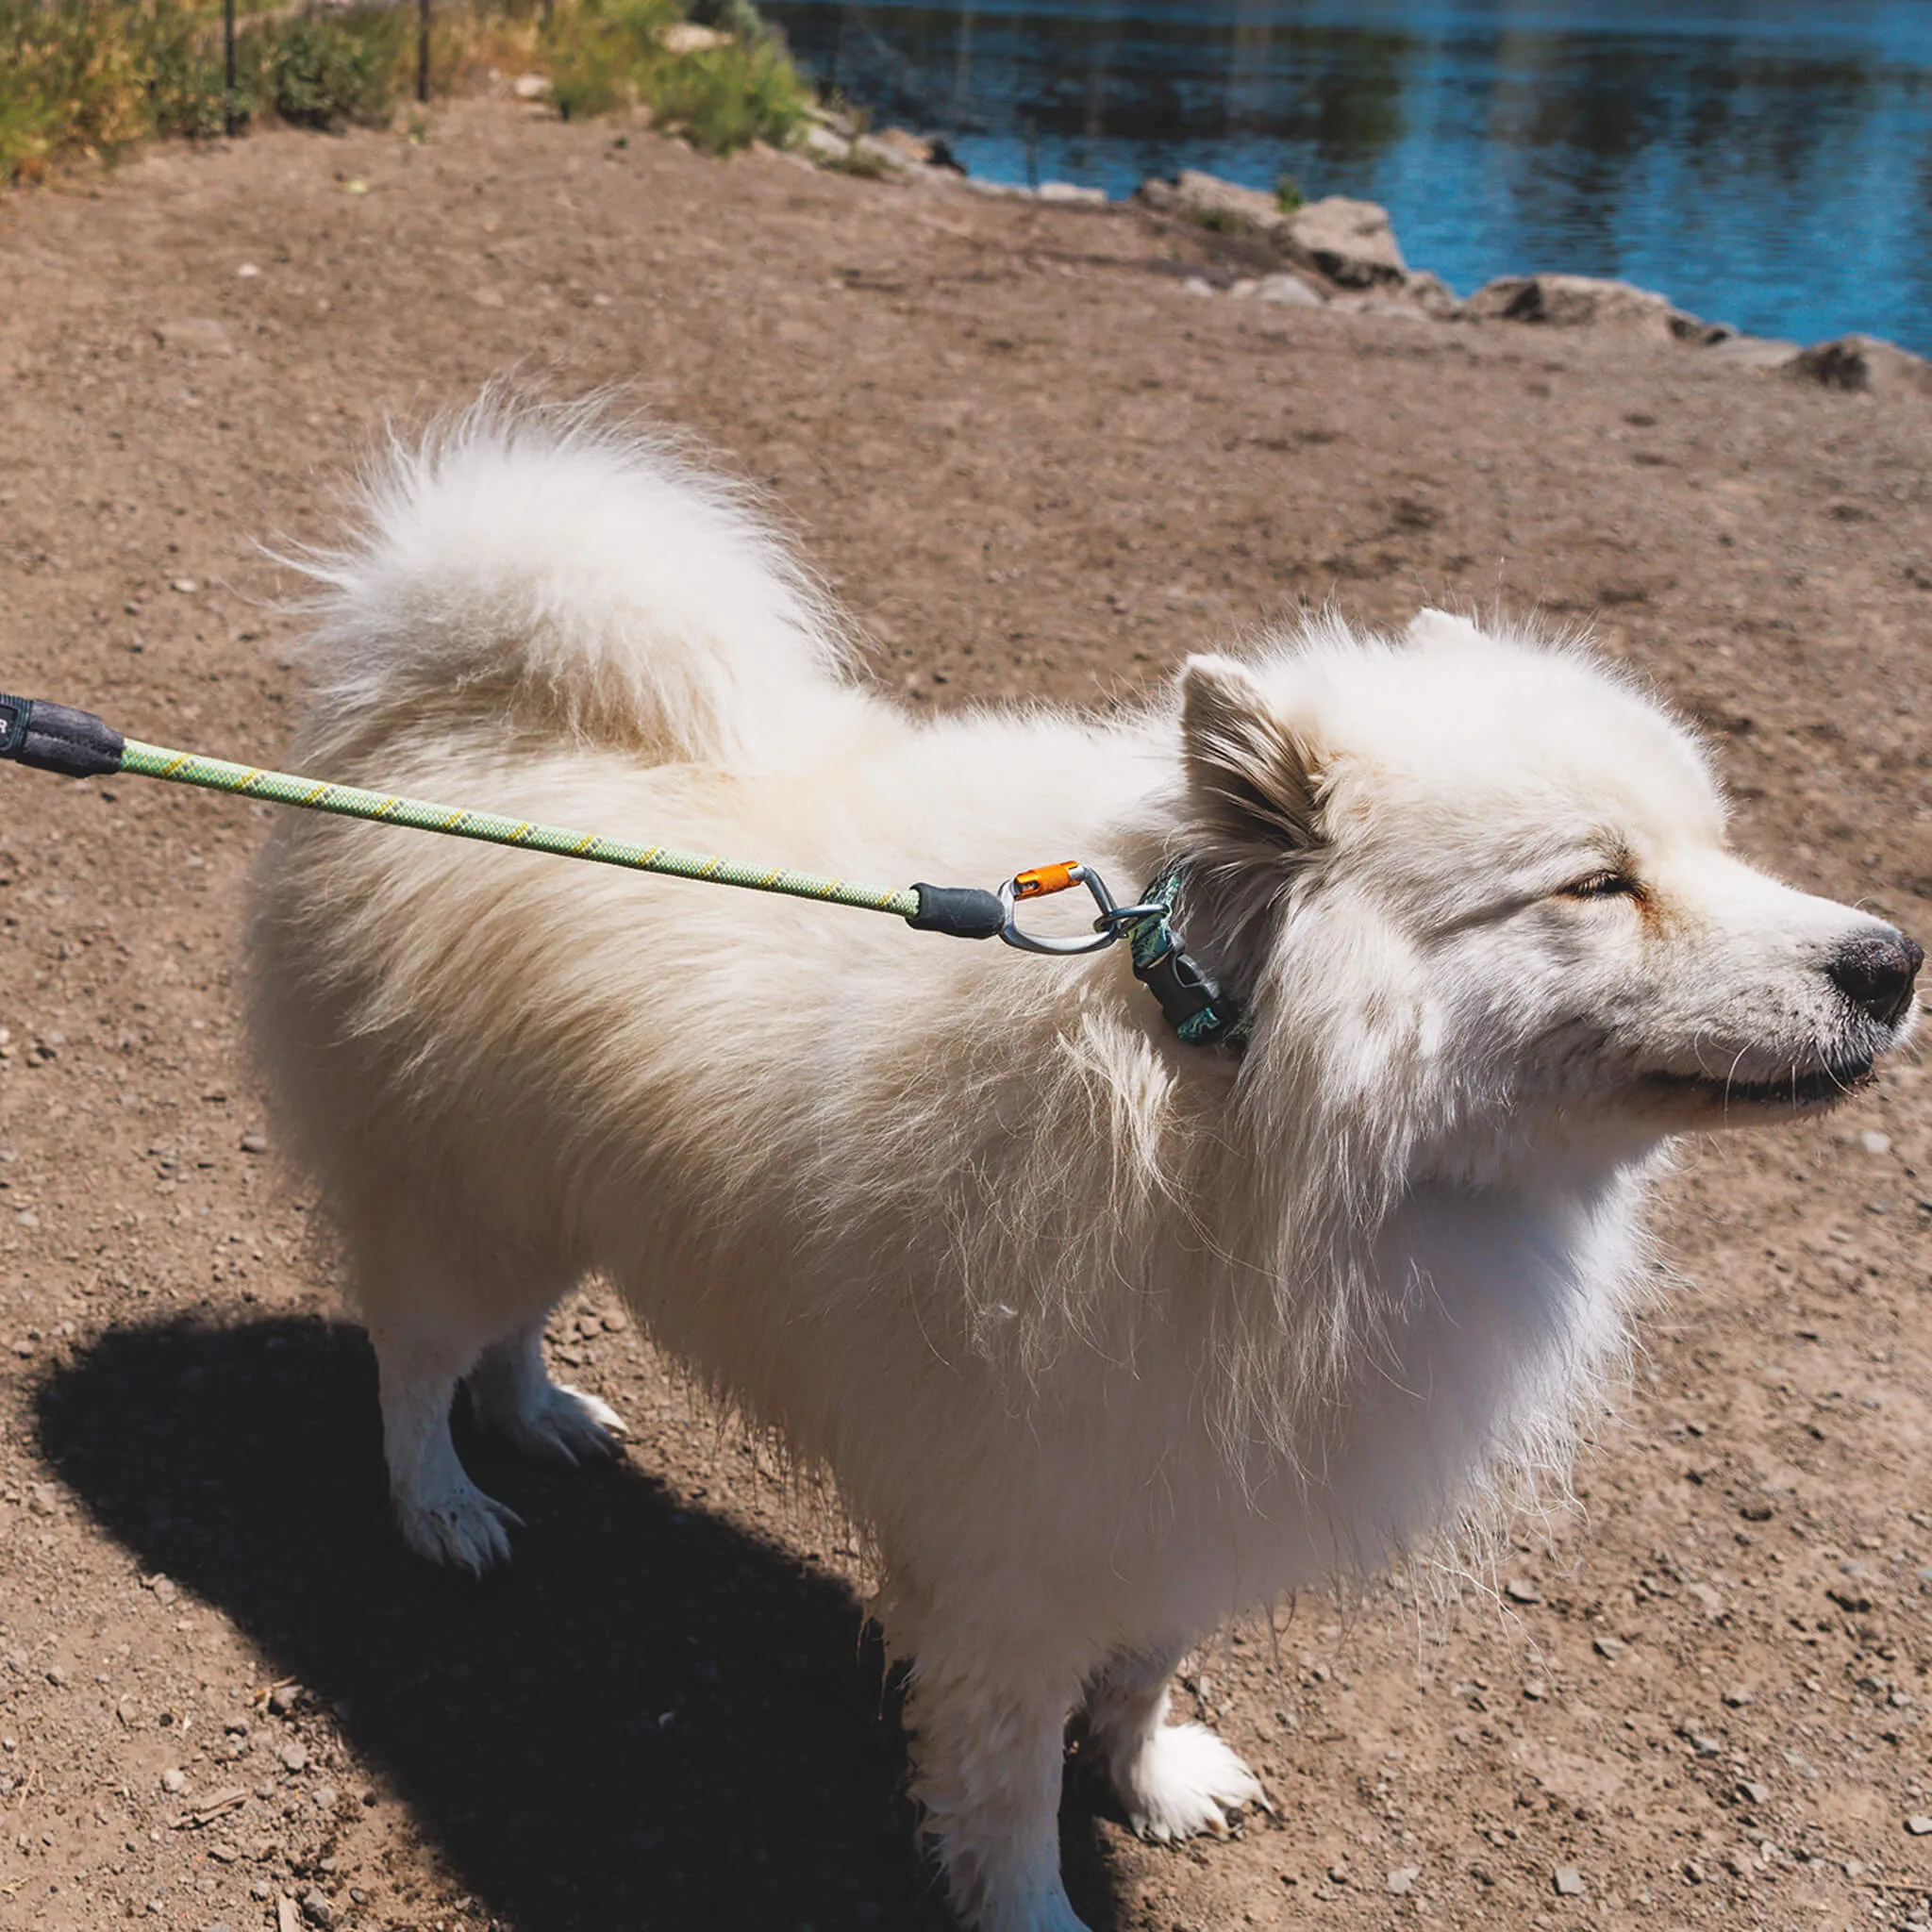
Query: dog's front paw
(1185, 1781)
(460, 1526)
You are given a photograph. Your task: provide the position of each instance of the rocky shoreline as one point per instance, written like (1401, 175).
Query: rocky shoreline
(1342, 254)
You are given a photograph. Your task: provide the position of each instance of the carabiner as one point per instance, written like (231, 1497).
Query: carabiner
(1043, 879)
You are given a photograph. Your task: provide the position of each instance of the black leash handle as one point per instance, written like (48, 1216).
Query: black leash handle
(56, 738)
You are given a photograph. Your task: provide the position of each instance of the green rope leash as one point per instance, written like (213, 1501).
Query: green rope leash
(351, 802)
(56, 738)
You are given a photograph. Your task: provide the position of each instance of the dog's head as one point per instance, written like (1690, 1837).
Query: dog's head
(1493, 877)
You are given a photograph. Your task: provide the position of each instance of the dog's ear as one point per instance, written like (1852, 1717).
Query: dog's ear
(1252, 773)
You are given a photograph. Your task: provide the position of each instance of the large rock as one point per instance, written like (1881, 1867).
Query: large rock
(1863, 364)
(1587, 302)
(1350, 242)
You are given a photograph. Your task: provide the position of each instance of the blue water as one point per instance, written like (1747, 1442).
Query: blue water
(1764, 163)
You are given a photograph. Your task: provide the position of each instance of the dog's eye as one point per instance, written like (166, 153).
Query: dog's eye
(1602, 885)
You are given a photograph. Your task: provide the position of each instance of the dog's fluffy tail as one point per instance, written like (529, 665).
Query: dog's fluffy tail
(546, 568)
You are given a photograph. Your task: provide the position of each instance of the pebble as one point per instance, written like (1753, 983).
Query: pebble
(1919, 1824)
(1519, 1589)
(317, 1910)
(1875, 1142)
(293, 1757)
(1753, 1792)
(255, 1144)
(1694, 1871)
(1402, 1879)
(1568, 1881)
(1610, 1647)
(1738, 1697)
(174, 1779)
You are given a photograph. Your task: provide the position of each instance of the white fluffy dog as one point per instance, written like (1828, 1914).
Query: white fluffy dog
(1103, 1334)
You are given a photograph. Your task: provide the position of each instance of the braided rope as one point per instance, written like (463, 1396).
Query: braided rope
(348, 801)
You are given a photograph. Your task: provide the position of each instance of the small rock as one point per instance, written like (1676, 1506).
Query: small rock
(1862, 364)
(1874, 1142)
(1609, 1647)
(1694, 1871)
(1704, 1747)
(317, 1910)
(906, 148)
(187, 586)
(1577, 302)
(1214, 203)
(293, 1757)
(1519, 1589)
(1754, 352)
(530, 87)
(248, 271)
(1753, 1792)
(1350, 242)
(686, 37)
(199, 336)
(823, 143)
(1536, 1690)
(1738, 1697)
(1402, 1879)
(1568, 1881)
(255, 1144)
(1073, 193)
(1919, 1824)
(1289, 292)
(174, 1779)
(1739, 1865)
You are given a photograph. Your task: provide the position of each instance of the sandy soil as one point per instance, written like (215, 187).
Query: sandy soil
(1032, 462)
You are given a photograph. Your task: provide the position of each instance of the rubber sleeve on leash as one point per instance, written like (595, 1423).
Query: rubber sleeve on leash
(56, 738)
(963, 912)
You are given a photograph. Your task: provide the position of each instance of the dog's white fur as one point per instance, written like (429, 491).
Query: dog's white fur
(1103, 1336)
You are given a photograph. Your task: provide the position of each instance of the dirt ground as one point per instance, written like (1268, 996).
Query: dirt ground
(1032, 461)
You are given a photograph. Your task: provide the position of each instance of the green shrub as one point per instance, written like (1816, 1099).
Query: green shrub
(731, 96)
(1288, 195)
(324, 70)
(181, 51)
(604, 52)
(606, 55)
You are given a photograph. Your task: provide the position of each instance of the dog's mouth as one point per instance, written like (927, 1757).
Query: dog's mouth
(1792, 1093)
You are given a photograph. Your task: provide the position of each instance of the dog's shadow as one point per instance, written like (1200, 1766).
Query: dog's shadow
(650, 1720)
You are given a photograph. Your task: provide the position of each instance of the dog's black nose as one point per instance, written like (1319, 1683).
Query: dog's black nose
(1876, 974)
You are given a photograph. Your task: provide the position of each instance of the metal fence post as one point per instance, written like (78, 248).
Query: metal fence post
(230, 120)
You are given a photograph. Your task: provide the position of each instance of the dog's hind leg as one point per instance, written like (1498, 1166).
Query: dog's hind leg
(1173, 1780)
(442, 1297)
(512, 1395)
